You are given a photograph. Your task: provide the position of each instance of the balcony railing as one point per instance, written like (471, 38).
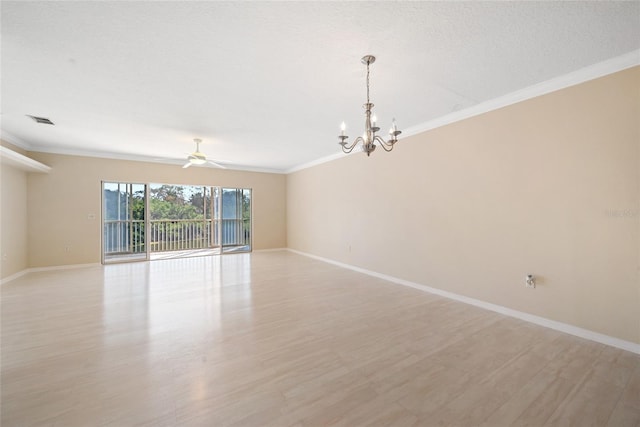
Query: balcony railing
(181, 234)
(128, 237)
(123, 237)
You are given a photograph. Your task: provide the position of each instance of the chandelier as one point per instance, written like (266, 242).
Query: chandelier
(369, 137)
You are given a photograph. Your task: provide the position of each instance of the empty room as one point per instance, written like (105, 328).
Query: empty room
(319, 213)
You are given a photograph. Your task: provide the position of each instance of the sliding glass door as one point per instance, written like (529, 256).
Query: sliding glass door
(124, 210)
(159, 221)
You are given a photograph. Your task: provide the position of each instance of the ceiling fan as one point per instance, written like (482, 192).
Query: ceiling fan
(198, 159)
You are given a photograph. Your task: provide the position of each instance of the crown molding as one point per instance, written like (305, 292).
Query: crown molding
(582, 75)
(146, 159)
(316, 162)
(12, 139)
(17, 160)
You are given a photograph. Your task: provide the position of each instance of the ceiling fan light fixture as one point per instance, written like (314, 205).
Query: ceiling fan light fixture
(198, 158)
(197, 161)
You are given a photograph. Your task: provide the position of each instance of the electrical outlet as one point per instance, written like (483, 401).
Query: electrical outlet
(530, 281)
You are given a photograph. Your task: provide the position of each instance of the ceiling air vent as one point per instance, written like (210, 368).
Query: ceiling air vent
(42, 120)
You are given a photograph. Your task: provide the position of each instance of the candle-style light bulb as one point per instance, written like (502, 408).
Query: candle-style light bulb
(342, 128)
(374, 119)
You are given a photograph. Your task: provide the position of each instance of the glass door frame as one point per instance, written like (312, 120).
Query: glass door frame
(147, 247)
(240, 218)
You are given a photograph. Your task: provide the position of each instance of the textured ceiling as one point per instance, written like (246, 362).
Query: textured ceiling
(266, 84)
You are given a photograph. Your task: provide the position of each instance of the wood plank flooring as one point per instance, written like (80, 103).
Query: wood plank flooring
(277, 339)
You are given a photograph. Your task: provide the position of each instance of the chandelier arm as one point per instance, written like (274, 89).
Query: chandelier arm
(349, 148)
(384, 144)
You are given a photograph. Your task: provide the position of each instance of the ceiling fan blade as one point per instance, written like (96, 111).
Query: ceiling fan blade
(186, 165)
(218, 165)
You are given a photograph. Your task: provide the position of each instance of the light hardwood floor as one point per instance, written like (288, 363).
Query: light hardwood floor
(277, 339)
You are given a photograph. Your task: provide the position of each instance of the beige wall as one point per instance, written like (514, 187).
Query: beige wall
(59, 203)
(549, 186)
(13, 221)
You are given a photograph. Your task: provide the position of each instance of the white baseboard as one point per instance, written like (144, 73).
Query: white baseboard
(548, 323)
(63, 267)
(50, 268)
(13, 277)
(552, 324)
(74, 266)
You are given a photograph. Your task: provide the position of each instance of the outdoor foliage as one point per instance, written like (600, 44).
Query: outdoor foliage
(174, 202)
